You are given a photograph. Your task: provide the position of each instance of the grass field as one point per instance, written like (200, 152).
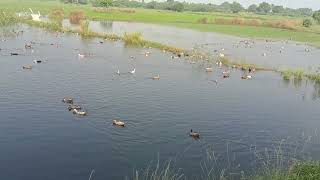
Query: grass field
(184, 19)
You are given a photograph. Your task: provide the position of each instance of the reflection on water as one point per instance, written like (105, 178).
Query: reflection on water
(238, 119)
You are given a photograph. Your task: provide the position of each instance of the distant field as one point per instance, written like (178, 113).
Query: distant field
(258, 28)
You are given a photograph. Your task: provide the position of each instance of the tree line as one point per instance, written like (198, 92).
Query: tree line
(235, 7)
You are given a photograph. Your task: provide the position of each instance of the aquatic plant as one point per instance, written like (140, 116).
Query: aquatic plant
(298, 74)
(165, 172)
(84, 29)
(7, 19)
(76, 16)
(134, 39)
(286, 74)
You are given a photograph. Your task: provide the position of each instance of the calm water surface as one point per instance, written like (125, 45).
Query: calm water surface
(40, 139)
(277, 54)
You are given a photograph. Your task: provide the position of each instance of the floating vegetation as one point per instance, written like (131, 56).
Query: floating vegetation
(76, 17)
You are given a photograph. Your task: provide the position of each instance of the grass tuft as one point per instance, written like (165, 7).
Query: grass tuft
(134, 39)
(76, 16)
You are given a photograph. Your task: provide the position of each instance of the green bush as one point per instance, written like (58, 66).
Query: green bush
(316, 16)
(307, 23)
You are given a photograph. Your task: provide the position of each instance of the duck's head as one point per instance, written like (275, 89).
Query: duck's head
(114, 121)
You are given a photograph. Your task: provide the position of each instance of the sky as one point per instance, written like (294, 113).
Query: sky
(314, 4)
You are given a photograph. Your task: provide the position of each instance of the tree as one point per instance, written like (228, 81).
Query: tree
(236, 7)
(170, 1)
(105, 3)
(253, 8)
(178, 6)
(307, 23)
(226, 6)
(264, 7)
(316, 16)
(277, 9)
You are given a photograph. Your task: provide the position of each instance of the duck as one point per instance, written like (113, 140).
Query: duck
(37, 61)
(209, 69)
(194, 134)
(246, 77)
(118, 123)
(73, 106)
(226, 74)
(27, 46)
(79, 112)
(221, 55)
(68, 100)
(81, 55)
(14, 54)
(27, 67)
(157, 77)
(133, 71)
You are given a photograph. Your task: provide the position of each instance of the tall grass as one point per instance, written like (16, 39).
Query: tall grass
(134, 39)
(76, 16)
(7, 19)
(57, 14)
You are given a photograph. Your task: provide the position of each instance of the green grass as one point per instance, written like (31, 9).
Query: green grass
(183, 20)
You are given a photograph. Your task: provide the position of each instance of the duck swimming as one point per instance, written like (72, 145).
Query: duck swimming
(133, 71)
(73, 106)
(209, 69)
(194, 134)
(79, 112)
(118, 123)
(27, 67)
(156, 77)
(37, 61)
(68, 100)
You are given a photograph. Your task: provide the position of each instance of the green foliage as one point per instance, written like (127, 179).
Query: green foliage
(7, 19)
(236, 7)
(253, 8)
(103, 3)
(177, 6)
(305, 171)
(264, 7)
(307, 22)
(316, 16)
(277, 9)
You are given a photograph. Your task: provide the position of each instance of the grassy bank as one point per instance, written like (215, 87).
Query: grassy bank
(184, 20)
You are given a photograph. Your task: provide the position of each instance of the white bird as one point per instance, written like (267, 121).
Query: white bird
(79, 112)
(133, 71)
(81, 55)
(118, 72)
(118, 123)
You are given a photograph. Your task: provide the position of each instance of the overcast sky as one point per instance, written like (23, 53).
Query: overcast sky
(314, 4)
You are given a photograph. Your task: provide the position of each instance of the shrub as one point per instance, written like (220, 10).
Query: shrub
(203, 20)
(57, 14)
(76, 17)
(307, 23)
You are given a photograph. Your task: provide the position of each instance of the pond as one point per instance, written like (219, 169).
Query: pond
(41, 139)
(266, 53)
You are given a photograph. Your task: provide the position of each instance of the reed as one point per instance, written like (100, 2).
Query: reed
(133, 39)
(7, 19)
(76, 16)
(57, 14)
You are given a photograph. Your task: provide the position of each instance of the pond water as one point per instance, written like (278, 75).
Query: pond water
(276, 54)
(41, 139)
